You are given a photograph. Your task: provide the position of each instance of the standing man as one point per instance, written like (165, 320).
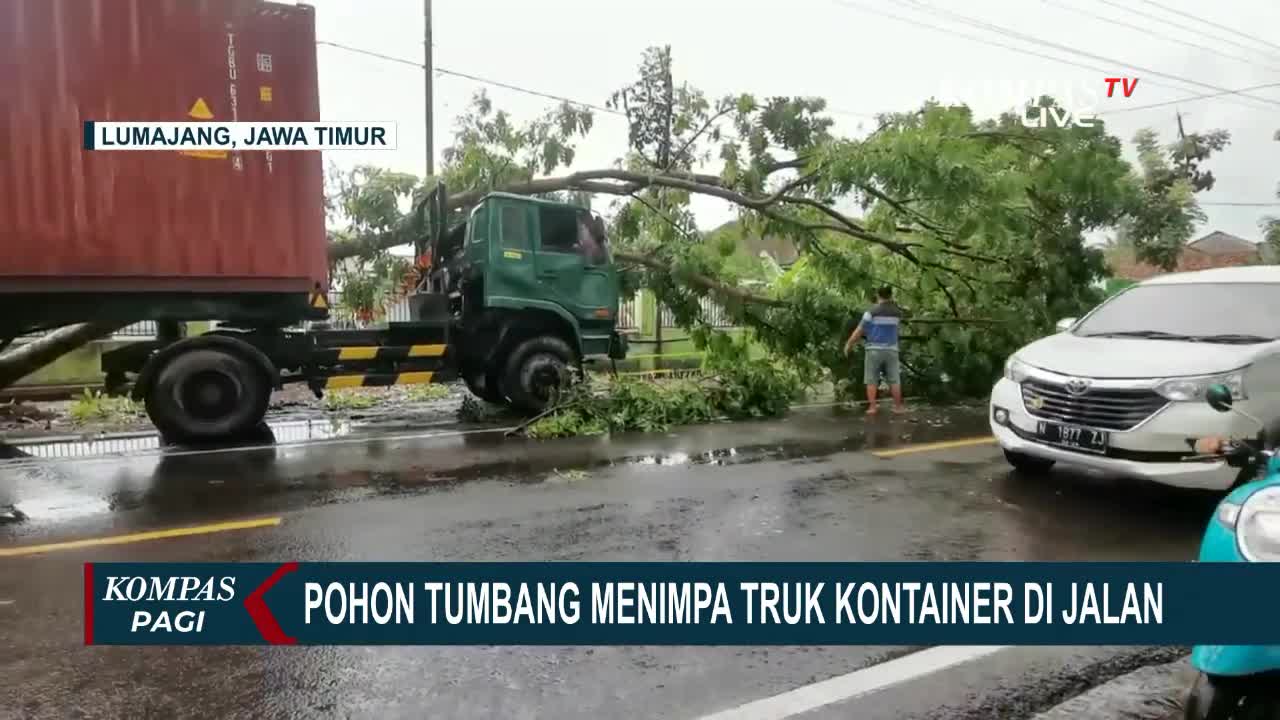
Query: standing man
(880, 326)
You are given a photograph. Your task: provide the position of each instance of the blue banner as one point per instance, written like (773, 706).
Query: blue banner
(912, 603)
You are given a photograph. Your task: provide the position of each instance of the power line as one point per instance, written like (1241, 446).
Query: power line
(914, 22)
(370, 53)
(528, 91)
(1198, 31)
(1147, 30)
(974, 22)
(518, 88)
(1210, 23)
(1188, 99)
(469, 76)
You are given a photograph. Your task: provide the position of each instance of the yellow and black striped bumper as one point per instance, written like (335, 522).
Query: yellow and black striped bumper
(377, 353)
(337, 382)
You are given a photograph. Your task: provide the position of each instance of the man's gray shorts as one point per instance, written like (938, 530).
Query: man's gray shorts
(881, 362)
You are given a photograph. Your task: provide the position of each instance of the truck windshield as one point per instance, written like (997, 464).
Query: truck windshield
(1204, 312)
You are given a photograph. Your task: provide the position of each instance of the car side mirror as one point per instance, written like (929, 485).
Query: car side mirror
(1065, 324)
(1219, 397)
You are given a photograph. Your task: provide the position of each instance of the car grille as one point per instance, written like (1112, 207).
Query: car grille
(1100, 408)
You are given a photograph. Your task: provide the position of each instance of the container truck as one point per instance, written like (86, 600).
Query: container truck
(516, 294)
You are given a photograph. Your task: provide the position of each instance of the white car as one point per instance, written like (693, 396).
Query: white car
(1121, 390)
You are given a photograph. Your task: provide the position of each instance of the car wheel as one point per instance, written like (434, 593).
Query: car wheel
(1027, 463)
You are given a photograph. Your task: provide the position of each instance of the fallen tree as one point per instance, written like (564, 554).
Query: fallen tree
(979, 225)
(30, 357)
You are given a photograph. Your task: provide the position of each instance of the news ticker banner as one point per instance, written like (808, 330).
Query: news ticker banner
(239, 136)
(914, 603)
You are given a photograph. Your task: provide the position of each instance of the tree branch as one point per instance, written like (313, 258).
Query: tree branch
(900, 207)
(627, 182)
(700, 280)
(693, 138)
(794, 164)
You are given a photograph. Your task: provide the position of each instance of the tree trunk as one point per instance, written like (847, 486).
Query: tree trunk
(30, 357)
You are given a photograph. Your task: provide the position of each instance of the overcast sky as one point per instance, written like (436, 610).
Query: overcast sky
(847, 51)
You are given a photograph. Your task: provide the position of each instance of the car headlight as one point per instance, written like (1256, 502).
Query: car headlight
(1016, 370)
(1258, 526)
(1189, 389)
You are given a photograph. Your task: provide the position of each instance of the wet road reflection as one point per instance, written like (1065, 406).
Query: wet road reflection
(800, 489)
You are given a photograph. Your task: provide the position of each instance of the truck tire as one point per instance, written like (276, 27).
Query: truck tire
(536, 371)
(485, 386)
(207, 395)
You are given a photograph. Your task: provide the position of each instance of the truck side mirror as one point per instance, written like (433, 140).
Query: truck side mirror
(1065, 324)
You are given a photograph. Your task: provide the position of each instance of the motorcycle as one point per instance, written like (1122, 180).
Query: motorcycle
(1239, 682)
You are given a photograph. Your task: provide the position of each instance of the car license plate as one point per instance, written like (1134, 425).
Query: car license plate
(1071, 436)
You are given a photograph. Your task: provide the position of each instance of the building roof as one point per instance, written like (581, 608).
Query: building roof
(1220, 243)
(1214, 250)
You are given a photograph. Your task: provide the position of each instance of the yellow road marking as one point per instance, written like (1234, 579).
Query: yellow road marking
(414, 378)
(368, 352)
(426, 350)
(930, 447)
(344, 381)
(141, 537)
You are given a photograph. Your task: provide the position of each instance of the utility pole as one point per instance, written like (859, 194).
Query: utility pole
(429, 81)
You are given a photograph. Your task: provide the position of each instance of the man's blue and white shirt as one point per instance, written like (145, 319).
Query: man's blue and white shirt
(880, 326)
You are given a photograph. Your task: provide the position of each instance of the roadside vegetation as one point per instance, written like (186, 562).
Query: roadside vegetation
(96, 407)
(732, 386)
(346, 400)
(426, 393)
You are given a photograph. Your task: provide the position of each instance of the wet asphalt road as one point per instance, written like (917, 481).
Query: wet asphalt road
(805, 488)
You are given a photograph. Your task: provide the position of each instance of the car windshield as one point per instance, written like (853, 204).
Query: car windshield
(1223, 313)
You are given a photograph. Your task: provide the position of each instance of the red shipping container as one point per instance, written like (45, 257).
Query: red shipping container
(73, 220)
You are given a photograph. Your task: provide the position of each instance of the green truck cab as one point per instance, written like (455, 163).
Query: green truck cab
(530, 290)
(515, 298)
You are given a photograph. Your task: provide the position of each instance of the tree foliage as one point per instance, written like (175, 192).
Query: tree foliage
(735, 387)
(364, 204)
(980, 225)
(1171, 175)
(1270, 225)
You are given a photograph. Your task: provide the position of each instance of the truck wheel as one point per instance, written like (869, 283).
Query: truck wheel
(484, 385)
(536, 372)
(207, 394)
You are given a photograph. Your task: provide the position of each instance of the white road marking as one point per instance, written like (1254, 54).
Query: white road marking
(857, 683)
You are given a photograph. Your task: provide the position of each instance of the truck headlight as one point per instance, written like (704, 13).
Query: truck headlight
(1189, 389)
(1258, 527)
(1016, 370)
